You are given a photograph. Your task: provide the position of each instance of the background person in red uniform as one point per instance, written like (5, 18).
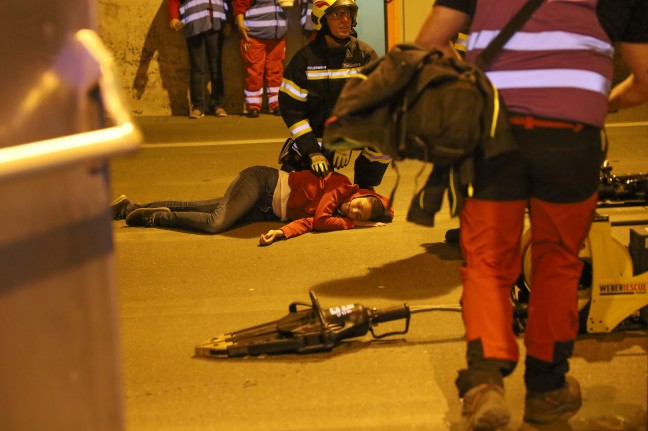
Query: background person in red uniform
(262, 26)
(203, 25)
(554, 76)
(261, 193)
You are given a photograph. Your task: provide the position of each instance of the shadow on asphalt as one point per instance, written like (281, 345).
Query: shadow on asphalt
(430, 274)
(606, 347)
(240, 230)
(346, 347)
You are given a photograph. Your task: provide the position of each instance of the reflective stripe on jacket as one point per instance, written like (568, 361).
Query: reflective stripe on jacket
(311, 84)
(553, 67)
(265, 19)
(199, 16)
(305, 16)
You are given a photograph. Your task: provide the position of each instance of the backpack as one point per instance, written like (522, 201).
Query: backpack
(416, 104)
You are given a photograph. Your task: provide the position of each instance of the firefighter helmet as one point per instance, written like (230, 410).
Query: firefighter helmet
(322, 7)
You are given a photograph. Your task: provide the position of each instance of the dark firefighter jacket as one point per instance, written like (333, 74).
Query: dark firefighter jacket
(311, 85)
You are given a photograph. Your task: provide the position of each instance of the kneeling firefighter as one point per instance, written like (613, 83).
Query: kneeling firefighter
(311, 85)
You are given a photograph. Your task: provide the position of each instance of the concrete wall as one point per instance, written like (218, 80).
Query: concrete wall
(153, 60)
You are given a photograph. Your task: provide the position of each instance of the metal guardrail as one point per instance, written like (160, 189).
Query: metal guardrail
(83, 63)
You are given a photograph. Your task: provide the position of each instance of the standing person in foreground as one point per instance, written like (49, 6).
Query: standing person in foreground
(261, 193)
(262, 27)
(311, 85)
(203, 24)
(554, 76)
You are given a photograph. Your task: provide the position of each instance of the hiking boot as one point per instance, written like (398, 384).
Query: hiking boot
(553, 406)
(196, 113)
(484, 409)
(145, 216)
(119, 207)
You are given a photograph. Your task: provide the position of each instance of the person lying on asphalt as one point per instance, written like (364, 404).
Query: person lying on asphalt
(261, 193)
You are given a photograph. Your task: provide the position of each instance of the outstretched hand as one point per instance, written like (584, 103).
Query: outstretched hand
(269, 237)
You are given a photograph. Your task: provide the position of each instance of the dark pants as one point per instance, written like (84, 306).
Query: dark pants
(555, 174)
(369, 168)
(248, 198)
(205, 57)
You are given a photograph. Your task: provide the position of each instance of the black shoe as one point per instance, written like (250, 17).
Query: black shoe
(145, 216)
(452, 235)
(276, 112)
(120, 207)
(253, 113)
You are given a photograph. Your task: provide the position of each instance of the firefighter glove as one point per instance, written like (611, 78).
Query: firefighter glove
(319, 164)
(341, 158)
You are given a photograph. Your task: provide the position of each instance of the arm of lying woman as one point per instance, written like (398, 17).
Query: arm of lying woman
(269, 237)
(368, 223)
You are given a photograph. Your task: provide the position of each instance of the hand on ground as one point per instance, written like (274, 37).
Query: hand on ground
(269, 237)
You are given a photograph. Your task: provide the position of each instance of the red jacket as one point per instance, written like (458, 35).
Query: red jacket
(313, 202)
(239, 7)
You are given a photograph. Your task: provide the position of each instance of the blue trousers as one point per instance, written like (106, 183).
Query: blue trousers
(247, 199)
(205, 58)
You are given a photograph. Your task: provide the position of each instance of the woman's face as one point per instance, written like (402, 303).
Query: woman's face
(357, 209)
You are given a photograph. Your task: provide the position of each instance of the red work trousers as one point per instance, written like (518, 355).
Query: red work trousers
(263, 60)
(555, 175)
(490, 236)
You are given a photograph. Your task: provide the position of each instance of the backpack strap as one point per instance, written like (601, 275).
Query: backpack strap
(518, 20)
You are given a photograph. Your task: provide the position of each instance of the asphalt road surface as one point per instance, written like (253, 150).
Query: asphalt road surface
(179, 289)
